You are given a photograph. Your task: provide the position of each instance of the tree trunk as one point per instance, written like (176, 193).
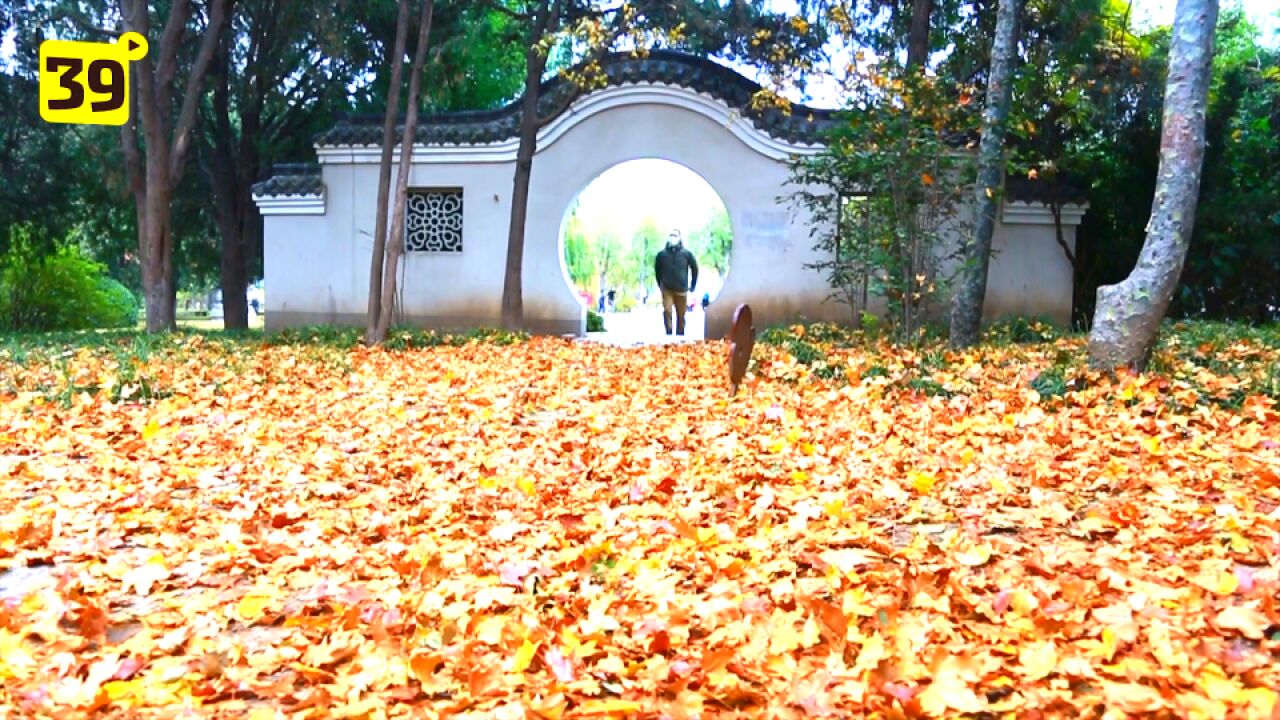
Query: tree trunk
(231, 196)
(395, 244)
(918, 40)
(384, 177)
(971, 289)
(156, 168)
(1128, 314)
(513, 281)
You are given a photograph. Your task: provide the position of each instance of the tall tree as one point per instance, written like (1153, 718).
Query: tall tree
(971, 286)
(395, 244)
(156, 158)
(1129, 313)
(545, 21)
(377, 259)
(272, 79)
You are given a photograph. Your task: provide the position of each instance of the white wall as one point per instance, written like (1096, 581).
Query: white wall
(317, 266)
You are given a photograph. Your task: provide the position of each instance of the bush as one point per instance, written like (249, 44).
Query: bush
(121, 300)
(65, 290)
(595, 323)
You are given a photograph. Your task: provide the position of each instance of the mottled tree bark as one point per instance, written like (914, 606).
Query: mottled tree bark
(384, 176)
(971, 285)
(1128, 314)
(395, 244)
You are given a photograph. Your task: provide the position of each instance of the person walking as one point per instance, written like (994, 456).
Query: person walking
(677, 273)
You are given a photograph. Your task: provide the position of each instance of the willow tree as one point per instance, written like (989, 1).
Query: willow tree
(1128, 314)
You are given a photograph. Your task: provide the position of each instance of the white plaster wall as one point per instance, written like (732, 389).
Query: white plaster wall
(769, 247)
(317, 266)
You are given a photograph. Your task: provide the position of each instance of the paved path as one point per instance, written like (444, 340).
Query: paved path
(643, 326)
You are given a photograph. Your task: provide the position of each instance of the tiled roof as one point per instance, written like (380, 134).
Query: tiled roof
(291, 179)
(803, 125)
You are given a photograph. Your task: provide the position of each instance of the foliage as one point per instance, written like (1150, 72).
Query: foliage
(710, 243)
(884, 194)
(62, 290)
(595, 323)
(480, 529)
(579, 259)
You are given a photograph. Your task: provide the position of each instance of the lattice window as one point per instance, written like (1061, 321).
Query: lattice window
(433, 221)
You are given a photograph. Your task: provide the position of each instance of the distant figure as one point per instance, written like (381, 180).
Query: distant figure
(706, 300)
(742, 338)
(613, 306)
(600, 307)
(254, 304)
(674, 266)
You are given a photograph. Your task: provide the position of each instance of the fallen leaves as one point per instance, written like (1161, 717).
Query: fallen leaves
(559, 530)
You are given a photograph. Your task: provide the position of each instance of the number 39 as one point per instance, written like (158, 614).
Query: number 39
(105, 77)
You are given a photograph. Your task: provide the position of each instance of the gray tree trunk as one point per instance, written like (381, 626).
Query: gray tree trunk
(971, 286)
(156, 161)
(1128, 314)
(395, 244)
(384, 176)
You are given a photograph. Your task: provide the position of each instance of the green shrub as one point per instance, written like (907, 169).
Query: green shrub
(121, 300)
(595, 323)
(1022, 330)
(65, 290)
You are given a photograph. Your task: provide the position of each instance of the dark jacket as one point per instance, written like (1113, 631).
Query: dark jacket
(673, 266)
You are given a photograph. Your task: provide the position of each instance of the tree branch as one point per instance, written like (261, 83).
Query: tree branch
(79, 19)
(195, 79)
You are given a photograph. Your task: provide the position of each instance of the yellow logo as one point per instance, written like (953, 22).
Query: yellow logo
(88, 83)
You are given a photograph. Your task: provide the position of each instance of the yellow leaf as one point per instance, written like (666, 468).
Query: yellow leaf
(707, 536)
(1093, 524)
(151, 430)
(608, 707)
(799, 476)
(252, 607)
(974, 556)
(118, 690)
(1227, 583)
(1038, 660)
(922, 481)
(1107, 646)
(948, 693)
(489, 631)
(1152, 445)
(524, 656)
(526, 486)
(1023, 602)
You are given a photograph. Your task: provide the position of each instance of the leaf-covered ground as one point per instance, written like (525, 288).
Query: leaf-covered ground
(207, 526)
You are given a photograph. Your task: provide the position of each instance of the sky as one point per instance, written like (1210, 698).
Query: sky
(622, 197)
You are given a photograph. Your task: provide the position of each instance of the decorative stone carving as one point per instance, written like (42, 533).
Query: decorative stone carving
(433, 221)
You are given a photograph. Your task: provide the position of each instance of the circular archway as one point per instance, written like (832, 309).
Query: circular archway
(612, 232)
